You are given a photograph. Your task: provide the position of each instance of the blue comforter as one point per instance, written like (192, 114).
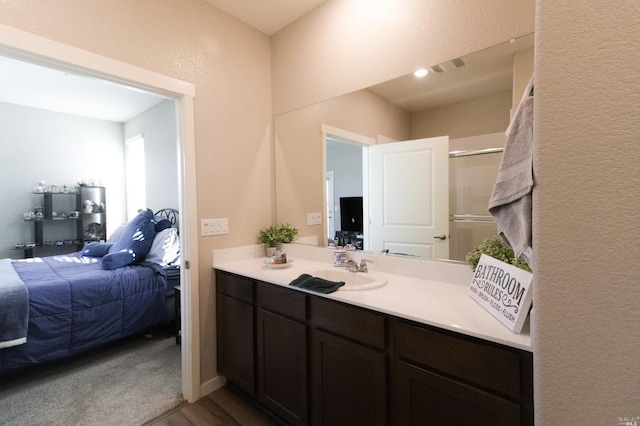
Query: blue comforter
(75, 305)
(14, 307)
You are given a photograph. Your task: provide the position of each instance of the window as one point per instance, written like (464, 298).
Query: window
(135, 175)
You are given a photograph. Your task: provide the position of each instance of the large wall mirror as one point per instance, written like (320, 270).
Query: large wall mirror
(325, 156)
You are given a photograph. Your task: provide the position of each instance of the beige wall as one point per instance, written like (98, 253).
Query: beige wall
(228, 62)
(587, 328)
(487, 114)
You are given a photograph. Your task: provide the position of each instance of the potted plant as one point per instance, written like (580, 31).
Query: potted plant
(274, 235)
(498, 249)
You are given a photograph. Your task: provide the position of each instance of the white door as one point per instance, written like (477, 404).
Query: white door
(409, 197)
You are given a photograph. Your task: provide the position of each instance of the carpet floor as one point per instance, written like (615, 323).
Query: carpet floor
(129, 382)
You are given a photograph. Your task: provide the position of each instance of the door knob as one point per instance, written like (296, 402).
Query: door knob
(441, 237)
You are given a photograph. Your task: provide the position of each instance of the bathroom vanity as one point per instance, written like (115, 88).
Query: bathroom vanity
(360, 358)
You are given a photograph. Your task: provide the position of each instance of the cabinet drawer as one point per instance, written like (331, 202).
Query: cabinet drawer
(235, 286)
(284, 301)
(474, 362)
(348, 321)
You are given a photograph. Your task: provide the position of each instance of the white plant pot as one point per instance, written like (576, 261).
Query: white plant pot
(270, 251)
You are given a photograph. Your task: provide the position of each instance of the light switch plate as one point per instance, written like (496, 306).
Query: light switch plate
(314, 218)
(214, 226)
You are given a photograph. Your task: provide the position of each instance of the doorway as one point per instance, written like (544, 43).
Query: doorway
(346, 151)
(41, 51)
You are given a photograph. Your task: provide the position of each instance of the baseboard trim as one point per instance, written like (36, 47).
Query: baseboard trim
(210, 385)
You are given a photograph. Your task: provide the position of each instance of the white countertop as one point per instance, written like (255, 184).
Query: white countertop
(441, 304)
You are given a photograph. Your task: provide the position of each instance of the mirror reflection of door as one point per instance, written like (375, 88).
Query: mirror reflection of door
(409, 197)
(405, 217)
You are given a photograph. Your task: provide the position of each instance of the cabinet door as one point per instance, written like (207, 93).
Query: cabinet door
(235, 341)
(282, 366)
(425, 398)
(348, 382)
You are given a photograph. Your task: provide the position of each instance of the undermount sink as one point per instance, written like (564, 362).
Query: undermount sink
(353, 281)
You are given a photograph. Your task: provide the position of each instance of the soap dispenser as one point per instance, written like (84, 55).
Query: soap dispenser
(339, 257)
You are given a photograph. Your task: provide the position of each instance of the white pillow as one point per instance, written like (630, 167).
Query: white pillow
(115, 236)
(165, 250)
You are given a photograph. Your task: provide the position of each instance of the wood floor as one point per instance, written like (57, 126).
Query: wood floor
(225, 406)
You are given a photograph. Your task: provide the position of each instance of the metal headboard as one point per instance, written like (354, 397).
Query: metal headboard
(171, 215)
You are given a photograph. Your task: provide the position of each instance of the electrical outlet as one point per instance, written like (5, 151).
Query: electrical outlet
(214, 227)
(314, 218)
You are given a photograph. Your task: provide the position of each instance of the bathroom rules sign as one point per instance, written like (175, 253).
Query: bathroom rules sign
(504, 290)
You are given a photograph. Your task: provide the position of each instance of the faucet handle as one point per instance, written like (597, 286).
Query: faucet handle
(363, 265)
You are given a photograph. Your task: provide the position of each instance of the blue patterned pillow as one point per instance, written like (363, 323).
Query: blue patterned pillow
(134, 243)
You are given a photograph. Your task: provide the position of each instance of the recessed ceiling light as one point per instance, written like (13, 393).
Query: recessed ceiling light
(421, 72)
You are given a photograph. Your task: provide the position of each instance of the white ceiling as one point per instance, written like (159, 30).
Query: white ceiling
(35, 86)
(268, 16)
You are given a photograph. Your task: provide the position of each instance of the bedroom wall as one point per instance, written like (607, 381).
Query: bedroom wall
(59, 149)
(158, 127)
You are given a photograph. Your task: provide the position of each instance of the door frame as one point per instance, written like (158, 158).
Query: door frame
(353, 139)
(330, 212)
(42, 51)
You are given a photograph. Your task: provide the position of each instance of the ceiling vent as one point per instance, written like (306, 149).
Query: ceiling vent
(458, 62)
(448, 66)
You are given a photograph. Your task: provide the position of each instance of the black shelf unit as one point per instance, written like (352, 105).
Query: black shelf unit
(90, 224)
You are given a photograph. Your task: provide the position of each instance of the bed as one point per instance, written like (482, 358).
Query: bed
(79, 301)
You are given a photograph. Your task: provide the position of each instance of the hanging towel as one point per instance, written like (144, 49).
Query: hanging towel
(316, 284)
(511, 199)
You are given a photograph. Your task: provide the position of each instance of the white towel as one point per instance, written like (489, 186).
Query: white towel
(510, 203)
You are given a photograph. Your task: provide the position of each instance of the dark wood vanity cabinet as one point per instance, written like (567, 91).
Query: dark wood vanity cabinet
(262, 343)
(348, 365)
(458, 380)
(236, 330)
(282, 352)
(312, 360)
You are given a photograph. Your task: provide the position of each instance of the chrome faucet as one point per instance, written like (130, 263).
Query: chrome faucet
(352, 266)
(363, 265)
